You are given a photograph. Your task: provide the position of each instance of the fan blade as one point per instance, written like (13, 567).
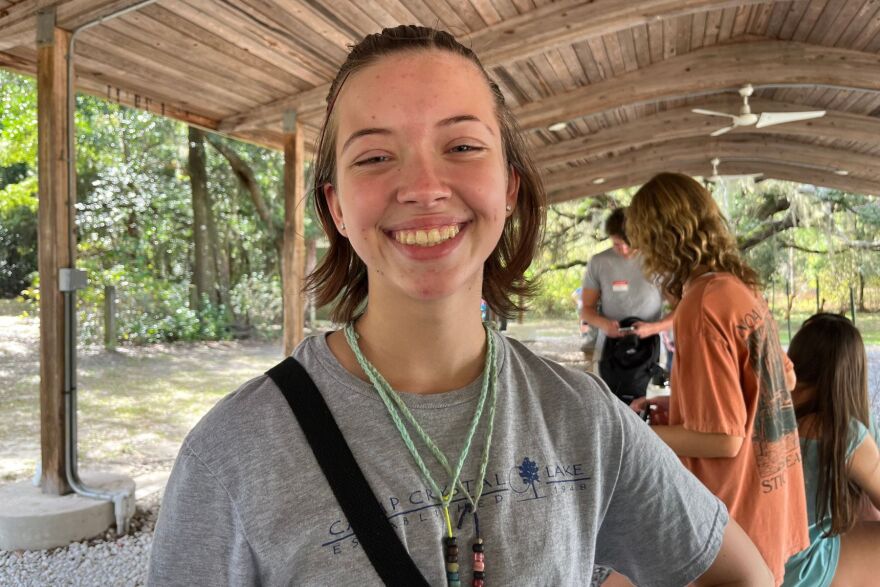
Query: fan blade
(721, 131)
(771, 118)
(712, 113)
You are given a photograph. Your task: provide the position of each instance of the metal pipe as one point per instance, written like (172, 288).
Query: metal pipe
(120, 499)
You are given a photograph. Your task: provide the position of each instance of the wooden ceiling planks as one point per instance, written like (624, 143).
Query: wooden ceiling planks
(606, 68)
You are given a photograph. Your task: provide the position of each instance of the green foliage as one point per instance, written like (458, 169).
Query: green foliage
(257, 299)
(18, 123)
(134, 222)
(18, 235)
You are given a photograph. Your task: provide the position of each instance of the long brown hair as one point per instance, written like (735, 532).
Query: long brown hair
(342, 276)
(676, 225)
(829, 356)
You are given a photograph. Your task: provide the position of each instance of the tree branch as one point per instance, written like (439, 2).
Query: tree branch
(765, 231)
(248, 180)
(561, 266)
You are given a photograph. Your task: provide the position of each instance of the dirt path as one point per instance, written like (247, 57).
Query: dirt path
(137, 403)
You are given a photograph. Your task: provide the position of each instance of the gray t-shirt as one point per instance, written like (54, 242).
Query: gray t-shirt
(574, 476)
(623, 289)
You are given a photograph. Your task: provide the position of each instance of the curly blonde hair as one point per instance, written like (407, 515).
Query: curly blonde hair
(678, 228)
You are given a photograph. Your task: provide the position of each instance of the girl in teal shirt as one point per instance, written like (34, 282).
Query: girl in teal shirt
(841, 460)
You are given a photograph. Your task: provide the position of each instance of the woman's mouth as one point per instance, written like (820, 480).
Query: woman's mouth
(428, 237)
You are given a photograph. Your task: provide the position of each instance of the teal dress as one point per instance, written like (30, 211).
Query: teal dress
(815, 566)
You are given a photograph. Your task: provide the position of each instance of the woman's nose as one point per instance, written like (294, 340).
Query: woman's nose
(422, 181)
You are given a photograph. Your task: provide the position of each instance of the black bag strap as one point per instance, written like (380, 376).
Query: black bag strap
(367, 519)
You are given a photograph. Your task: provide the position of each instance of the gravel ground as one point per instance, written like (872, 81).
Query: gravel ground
(104, 561)
(122, 561)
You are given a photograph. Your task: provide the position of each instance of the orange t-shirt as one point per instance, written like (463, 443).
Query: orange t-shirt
(728, 377)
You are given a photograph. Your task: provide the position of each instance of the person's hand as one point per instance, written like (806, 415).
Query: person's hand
(639, 404)
(645, 329)
(657, 406)
(612, 329)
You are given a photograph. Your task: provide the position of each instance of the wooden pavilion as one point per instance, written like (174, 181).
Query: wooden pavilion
(604, 91)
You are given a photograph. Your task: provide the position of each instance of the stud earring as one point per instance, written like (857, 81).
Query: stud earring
(343, 226)
(508, 207)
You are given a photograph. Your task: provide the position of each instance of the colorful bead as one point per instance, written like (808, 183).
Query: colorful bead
(453, 578)
(479, 563)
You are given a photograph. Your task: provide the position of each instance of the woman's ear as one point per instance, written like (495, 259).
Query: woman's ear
(332, 199)
(512, 189)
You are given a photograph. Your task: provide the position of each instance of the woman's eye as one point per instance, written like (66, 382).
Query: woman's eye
(371, 160)
(466, 149)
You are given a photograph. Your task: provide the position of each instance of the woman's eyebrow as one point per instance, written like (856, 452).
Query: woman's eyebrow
(362, 133)
(464, 118)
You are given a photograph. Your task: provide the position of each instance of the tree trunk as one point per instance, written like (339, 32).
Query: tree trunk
(220, 260)
(204, 276)
(862, 292)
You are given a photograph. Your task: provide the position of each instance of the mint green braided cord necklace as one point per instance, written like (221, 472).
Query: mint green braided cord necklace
(398, 410)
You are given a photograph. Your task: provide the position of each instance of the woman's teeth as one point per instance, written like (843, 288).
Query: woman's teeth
(426, 238)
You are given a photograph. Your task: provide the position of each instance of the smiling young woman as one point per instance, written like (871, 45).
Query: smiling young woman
(430, 203)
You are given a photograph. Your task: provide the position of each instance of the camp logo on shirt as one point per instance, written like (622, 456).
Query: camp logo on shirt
(620, 286)
(774, 436)
(520, 483)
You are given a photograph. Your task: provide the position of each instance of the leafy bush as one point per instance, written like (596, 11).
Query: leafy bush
(18, 236)
(256, 302)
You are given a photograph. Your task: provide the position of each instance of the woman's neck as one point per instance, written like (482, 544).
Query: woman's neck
(423, 348)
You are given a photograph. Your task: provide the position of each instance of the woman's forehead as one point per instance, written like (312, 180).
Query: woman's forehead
(418, 84)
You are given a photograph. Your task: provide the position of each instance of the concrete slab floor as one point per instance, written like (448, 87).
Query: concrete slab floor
(31, 520)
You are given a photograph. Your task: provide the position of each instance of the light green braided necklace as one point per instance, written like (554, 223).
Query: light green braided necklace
(399, 412)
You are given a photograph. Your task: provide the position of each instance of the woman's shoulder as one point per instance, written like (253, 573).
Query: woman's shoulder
(542, 375)
(243, 420)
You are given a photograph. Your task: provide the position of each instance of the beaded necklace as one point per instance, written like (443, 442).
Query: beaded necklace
(398, 411)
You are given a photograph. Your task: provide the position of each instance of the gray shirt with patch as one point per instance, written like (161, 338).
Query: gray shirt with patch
(573, 477)
(624, 291)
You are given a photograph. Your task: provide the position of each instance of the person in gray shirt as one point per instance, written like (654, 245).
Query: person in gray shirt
(615, 281)
(430, 201)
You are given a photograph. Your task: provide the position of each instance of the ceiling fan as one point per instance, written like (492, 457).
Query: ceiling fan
(715, 177)
(747, 118)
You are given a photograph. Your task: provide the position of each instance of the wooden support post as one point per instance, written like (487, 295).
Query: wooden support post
(56, 243)
(293, 262)
(109, 317)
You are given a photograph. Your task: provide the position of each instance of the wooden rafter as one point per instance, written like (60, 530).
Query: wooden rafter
(18, 22)
(708, 71)
(515, 39)
(681, 123)
(748, 147)
(696, 163)
(697, 168)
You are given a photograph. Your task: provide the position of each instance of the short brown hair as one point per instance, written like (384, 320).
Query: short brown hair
(677, 226)
(615, 224)
(342, 276)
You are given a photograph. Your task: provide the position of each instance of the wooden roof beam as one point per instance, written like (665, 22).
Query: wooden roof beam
(19, 21)
(697, 167)
(524, 36)
(728, 148)
(708, 71)
(681, 123)
(696, 162)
